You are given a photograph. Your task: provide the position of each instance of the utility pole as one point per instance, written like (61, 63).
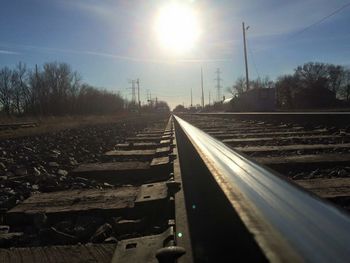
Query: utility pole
(191, 99)
(218, 84)
(202, 88)
(245, 55)
(133, 92)
(138, 92)
(209, 98)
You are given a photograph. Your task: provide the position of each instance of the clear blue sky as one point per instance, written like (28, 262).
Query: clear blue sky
(109, 42)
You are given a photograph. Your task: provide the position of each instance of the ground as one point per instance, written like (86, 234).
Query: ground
(39, 158)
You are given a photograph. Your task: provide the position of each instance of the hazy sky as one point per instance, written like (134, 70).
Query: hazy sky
(112, 41)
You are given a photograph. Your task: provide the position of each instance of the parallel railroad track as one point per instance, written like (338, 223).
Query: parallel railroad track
(316, 157)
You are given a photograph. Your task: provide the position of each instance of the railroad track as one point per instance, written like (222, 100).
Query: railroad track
(316, 157)
(134, 218)
(177, 194)
(274, 219)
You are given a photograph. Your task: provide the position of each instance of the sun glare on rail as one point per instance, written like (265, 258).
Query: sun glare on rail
(177, 27)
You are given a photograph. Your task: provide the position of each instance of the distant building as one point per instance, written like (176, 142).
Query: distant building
(259, 99)
(314, 98)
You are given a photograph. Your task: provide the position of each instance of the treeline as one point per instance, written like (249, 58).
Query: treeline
(313, 84)
(53, 89)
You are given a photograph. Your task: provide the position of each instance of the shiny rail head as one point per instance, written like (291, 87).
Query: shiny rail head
(289, 223)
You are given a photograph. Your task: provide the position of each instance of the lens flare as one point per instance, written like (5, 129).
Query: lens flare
(177, 27)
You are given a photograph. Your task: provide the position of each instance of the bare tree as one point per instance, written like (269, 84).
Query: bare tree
(345, 88)
(313, 75)
(335, 77)
(6, 89)
(73, 92)
(238, 88)
(262, 83)
(54, 89)
(21, 92)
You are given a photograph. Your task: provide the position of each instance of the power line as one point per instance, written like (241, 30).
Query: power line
(316, 23)
(321, 20)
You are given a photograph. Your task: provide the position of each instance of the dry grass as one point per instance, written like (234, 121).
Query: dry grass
(53, 124)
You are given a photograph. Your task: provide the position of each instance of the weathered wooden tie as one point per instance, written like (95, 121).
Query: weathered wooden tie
(126, 172)
(294, 147)
(116, 202)
(304, 161)
(327, 187)
(97, 253)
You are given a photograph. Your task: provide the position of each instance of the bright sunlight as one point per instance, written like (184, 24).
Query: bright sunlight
(177, 27)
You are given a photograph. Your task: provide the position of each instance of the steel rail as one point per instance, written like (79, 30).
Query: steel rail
(276, 113)
(288, 223)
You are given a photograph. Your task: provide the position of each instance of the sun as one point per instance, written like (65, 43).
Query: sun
(177, 27)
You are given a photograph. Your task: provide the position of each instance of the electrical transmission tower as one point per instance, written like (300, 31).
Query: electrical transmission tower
(138, 92)
(218, 84)
(133, 91)
(149, 97)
